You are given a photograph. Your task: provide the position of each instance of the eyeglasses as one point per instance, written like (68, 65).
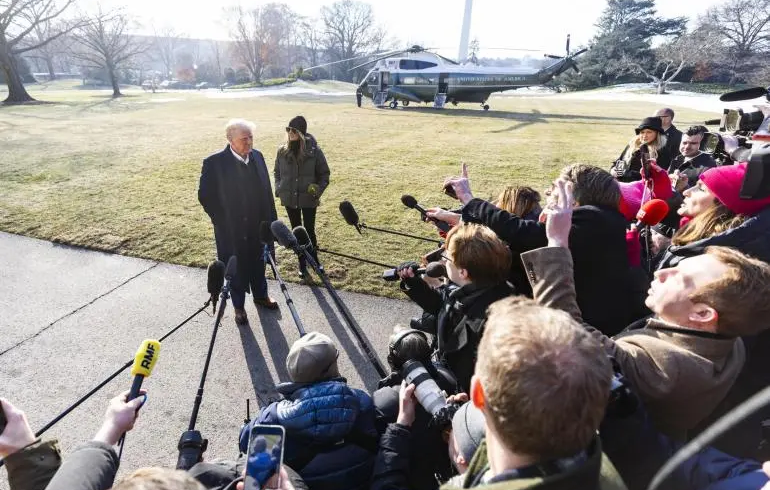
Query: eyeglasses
(290, 130)
(444, 257)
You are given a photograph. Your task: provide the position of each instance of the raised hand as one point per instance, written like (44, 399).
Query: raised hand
(558, 215)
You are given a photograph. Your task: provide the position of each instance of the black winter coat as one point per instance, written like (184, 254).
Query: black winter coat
(460, 317)
(634, 164)
(295, 173)
(605, 289)
(693, 168)
(752, 237)
(237, 198)
(673, 141)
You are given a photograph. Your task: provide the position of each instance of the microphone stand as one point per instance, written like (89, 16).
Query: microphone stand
(367, 227)
(365, 261)
(354, 327)
(192, 445)
(285, 291)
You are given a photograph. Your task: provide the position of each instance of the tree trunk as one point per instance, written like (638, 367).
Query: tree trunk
(51, 71)
(114, 80)
(16, 92)
(661, 87)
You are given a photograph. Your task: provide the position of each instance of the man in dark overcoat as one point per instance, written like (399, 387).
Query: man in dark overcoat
(235, 192)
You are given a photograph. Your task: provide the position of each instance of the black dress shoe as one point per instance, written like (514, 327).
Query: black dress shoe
(267, 302)
(240, 317)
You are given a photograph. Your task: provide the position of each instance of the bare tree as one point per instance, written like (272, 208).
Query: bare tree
(744, 26)
(349, 31)
(51, 52)
(260, 35)
(671, 58)
(311, 36)
(18, 20)
(106, 45)
(165, 43)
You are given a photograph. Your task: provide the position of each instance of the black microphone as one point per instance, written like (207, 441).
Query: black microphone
(746, 94)
(411, 203)
(350, 215)
(283, 235)
(434, 270)
(713, 122)
(216, 279)
(303, 238)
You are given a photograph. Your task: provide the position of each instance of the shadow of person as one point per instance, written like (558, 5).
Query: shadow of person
(275, 340)
(261, 378)
(363, 365)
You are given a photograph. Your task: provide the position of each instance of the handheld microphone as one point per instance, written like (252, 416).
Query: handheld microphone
(283, 235)
(144, 362)
(434, 270)
(350, 215)
(652, 213)
(411, 203)
(216, 279)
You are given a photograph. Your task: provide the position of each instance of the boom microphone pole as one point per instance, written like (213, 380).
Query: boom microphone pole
(267, 237)
(411, 203)
(351, 217)
(365, 261)
(192, 445)
(299, 242)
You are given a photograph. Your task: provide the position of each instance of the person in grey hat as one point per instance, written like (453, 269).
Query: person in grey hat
(331, 438)
(467, 433)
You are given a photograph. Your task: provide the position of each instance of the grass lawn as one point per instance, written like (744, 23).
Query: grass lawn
(122, 175)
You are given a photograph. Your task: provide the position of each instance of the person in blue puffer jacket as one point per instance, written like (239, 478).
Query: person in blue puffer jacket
(331, 439)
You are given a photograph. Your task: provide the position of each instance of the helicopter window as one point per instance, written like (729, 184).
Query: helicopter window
(415, 64)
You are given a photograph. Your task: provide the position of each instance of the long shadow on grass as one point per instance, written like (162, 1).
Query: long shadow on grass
(261, 379)
(362, 364)
(533, 116)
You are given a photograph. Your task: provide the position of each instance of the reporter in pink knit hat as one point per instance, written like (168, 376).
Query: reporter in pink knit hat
(716, 215)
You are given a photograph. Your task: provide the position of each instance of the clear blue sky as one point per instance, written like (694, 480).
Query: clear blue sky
(436, 23)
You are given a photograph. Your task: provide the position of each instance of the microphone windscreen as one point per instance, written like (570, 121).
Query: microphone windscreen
(216, 277)
(408, 201)
(746, 94)
(652, 212)
(300, 233)
(282, 234)
(435, 270)
(145, 358)
(349, 213)
(232, 267)
(265, 233)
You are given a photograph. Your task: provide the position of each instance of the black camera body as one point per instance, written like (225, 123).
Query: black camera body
(743, 137)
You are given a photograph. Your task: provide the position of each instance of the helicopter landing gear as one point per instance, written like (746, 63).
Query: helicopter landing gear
(485, 107)
(393, 104)
(405, 103)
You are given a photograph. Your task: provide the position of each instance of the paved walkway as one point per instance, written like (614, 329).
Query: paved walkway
(71, 317)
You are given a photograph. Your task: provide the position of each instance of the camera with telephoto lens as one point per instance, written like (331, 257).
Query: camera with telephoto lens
(431, 397)
(743, 137)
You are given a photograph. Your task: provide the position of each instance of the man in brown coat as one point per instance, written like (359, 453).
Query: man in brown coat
(684, 359)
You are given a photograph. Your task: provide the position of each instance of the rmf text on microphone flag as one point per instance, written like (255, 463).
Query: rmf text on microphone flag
(144, 362)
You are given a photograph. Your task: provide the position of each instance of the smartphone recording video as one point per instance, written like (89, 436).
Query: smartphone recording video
(265, 455)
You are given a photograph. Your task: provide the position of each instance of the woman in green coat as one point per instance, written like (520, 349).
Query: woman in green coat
(301, 176)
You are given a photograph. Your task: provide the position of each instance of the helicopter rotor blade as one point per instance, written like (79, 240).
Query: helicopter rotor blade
(579, 52)
(382, 57)
(567, 45)
(341, 61)
(553, 56)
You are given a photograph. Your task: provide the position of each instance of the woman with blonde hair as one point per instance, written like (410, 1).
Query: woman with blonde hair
(648, 144)
(713, 213)
(521, 200)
